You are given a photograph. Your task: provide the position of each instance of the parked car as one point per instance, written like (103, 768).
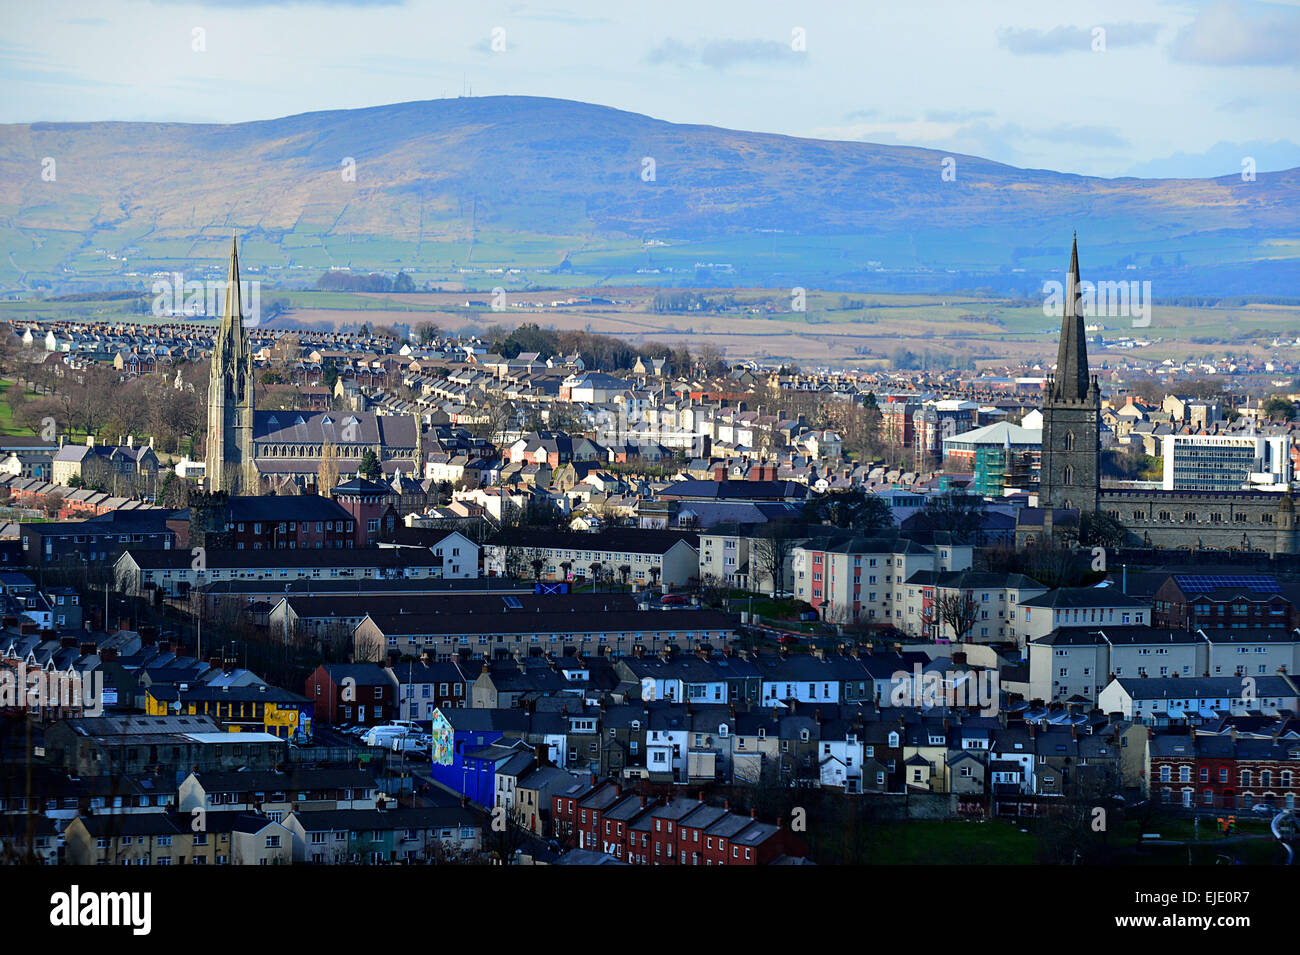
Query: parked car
(384, 735)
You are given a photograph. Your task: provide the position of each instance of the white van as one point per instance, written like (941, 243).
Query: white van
(384, 735)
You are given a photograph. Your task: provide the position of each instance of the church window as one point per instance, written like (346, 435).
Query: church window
(1067, 475)
(1216, 517)
(1069, 440)
(1166, 516)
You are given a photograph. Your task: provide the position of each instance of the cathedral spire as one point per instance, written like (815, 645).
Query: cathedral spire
(231, 329)
(230, 450)
(1072, 380)
(233, 309)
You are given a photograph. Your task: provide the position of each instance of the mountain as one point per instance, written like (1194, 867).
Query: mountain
(548, 185)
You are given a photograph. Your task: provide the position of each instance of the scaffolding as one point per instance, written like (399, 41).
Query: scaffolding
(997, 469)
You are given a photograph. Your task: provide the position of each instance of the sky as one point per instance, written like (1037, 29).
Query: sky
(1132, 87)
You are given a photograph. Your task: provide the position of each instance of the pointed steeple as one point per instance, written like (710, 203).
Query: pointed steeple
(231, 339)
(1072, 380)
(230, 459)
(234, 307)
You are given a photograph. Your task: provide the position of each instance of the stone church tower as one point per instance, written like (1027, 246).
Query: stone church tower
(1071, 457)
(230, 463)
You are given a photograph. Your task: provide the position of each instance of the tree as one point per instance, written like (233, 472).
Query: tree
(713, 591)
(1052, 562)
(541, 511)
(11, 350)
(369, 466)
(770, 552)
(953, 512)
(1280, 408)
(50, 504)
(1100, 529)
(955, 611)
(1077, 831)
(327, 475)
(853, 508)
(536, 560)
(286, 350)
(859, 428)
(514, 559)
(492, 419)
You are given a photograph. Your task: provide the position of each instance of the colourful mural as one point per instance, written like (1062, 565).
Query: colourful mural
(441, 749)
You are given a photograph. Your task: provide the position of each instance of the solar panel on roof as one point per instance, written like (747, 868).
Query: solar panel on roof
(1256, 583)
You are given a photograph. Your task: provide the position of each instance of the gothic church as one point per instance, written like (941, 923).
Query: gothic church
(1070, 472)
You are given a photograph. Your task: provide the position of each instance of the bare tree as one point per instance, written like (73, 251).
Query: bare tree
(514, 560)
(956, 611)
(535, 557)
(960, 515)
(506, 834)
(327, 475)
(769, 553)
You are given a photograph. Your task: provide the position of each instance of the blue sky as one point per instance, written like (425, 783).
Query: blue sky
(1180, 88)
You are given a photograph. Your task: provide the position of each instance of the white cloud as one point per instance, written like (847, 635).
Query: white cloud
(1228, 34)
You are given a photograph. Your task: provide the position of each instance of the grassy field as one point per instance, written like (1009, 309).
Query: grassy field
(7, 425)
(866, 330)
(950, 843)
(998, 842)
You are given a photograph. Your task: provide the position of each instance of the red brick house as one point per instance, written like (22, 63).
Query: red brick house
(363, 693)
(677, 831)
(1229, 771)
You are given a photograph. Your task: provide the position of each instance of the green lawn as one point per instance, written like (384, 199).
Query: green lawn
(7, 425)
(950, 843)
